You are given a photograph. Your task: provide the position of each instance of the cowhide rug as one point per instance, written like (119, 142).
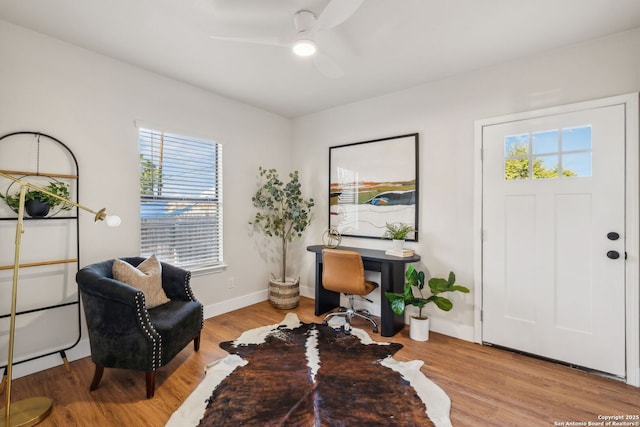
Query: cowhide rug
(298, 374)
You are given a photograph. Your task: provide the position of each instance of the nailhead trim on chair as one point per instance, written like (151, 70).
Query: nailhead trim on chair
(189, 292)
(145, 323)
(187, 288)
(202, 316)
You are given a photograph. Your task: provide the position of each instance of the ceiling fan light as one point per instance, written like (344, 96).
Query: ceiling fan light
(304, 47)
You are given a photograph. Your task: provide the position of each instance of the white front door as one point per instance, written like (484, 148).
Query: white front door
(553, 220)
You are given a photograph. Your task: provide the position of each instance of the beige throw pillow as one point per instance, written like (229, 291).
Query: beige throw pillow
(147, 277)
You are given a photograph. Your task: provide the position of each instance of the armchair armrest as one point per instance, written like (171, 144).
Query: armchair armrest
(176, 283)
(106, 288)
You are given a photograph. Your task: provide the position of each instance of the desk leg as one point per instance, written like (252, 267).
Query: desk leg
(325, 300)
(392, 278)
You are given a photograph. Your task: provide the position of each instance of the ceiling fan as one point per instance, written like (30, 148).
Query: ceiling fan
(306, 26)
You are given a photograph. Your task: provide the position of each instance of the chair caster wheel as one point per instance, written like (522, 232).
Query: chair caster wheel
(325, 323)
(375, 330)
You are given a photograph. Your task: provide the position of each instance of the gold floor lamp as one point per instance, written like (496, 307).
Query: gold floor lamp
(31, 411)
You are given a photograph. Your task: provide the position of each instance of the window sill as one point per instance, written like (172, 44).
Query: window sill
(209, 270)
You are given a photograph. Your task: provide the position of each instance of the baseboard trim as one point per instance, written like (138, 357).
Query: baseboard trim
(455, 330)
(308, 291)
(80, 350)
(633, 376)
(235, 303)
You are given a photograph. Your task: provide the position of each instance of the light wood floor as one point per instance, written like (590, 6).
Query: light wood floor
(487, 386)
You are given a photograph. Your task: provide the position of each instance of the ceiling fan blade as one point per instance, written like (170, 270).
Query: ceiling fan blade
(327, 66)
(336, 12)
(268, 41)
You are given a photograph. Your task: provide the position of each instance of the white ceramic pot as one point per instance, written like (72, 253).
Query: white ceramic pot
(398, 245)
(419, 329)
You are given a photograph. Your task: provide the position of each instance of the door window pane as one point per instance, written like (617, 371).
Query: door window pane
(516, 169)
(578, 138)
(545, 142)
(516, 145)
(545, 166)
(576, 164)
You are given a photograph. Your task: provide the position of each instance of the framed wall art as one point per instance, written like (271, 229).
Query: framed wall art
(372, 184)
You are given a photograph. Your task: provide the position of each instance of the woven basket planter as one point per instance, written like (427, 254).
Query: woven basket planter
(284, 295)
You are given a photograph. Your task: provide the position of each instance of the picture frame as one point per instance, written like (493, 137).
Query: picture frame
(372, 184)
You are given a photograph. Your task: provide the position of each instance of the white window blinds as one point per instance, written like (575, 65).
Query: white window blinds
(180, 199)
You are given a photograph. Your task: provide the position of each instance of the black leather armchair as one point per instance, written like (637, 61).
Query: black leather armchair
(123, 333)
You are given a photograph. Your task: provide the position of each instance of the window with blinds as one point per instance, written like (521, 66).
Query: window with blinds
(180, 199)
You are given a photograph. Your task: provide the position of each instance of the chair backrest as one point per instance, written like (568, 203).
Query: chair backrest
(343, 271)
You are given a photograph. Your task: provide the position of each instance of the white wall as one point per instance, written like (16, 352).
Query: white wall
(444, 113)
(91, 102)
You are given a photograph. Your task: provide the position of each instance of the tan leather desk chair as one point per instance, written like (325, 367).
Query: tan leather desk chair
(343, 272)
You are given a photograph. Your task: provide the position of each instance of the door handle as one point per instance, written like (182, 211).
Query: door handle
(613, 255)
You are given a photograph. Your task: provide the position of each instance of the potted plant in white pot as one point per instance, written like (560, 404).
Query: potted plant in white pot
(284, 214)
(419, 326)
(398, 232)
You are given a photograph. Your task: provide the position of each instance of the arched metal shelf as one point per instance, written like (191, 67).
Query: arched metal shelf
(42, 156)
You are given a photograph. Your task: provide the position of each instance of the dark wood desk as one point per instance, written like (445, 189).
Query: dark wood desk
(392, 270)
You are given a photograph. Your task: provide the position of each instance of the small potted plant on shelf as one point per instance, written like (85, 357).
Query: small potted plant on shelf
(419, 326)
(398, 232)
(282, 213)
(37, 203)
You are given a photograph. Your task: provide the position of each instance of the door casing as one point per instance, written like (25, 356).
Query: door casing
(632, 217)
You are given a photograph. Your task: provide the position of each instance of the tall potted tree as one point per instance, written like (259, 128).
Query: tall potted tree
(284, 214)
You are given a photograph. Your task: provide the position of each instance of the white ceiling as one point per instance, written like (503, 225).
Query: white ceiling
(386, 46)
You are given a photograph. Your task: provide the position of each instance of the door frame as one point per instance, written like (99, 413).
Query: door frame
(632, 216)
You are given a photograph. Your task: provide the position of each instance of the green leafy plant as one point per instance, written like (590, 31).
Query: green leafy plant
(282, 211)
(397, 231)
(54, 187)
(437, 285)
